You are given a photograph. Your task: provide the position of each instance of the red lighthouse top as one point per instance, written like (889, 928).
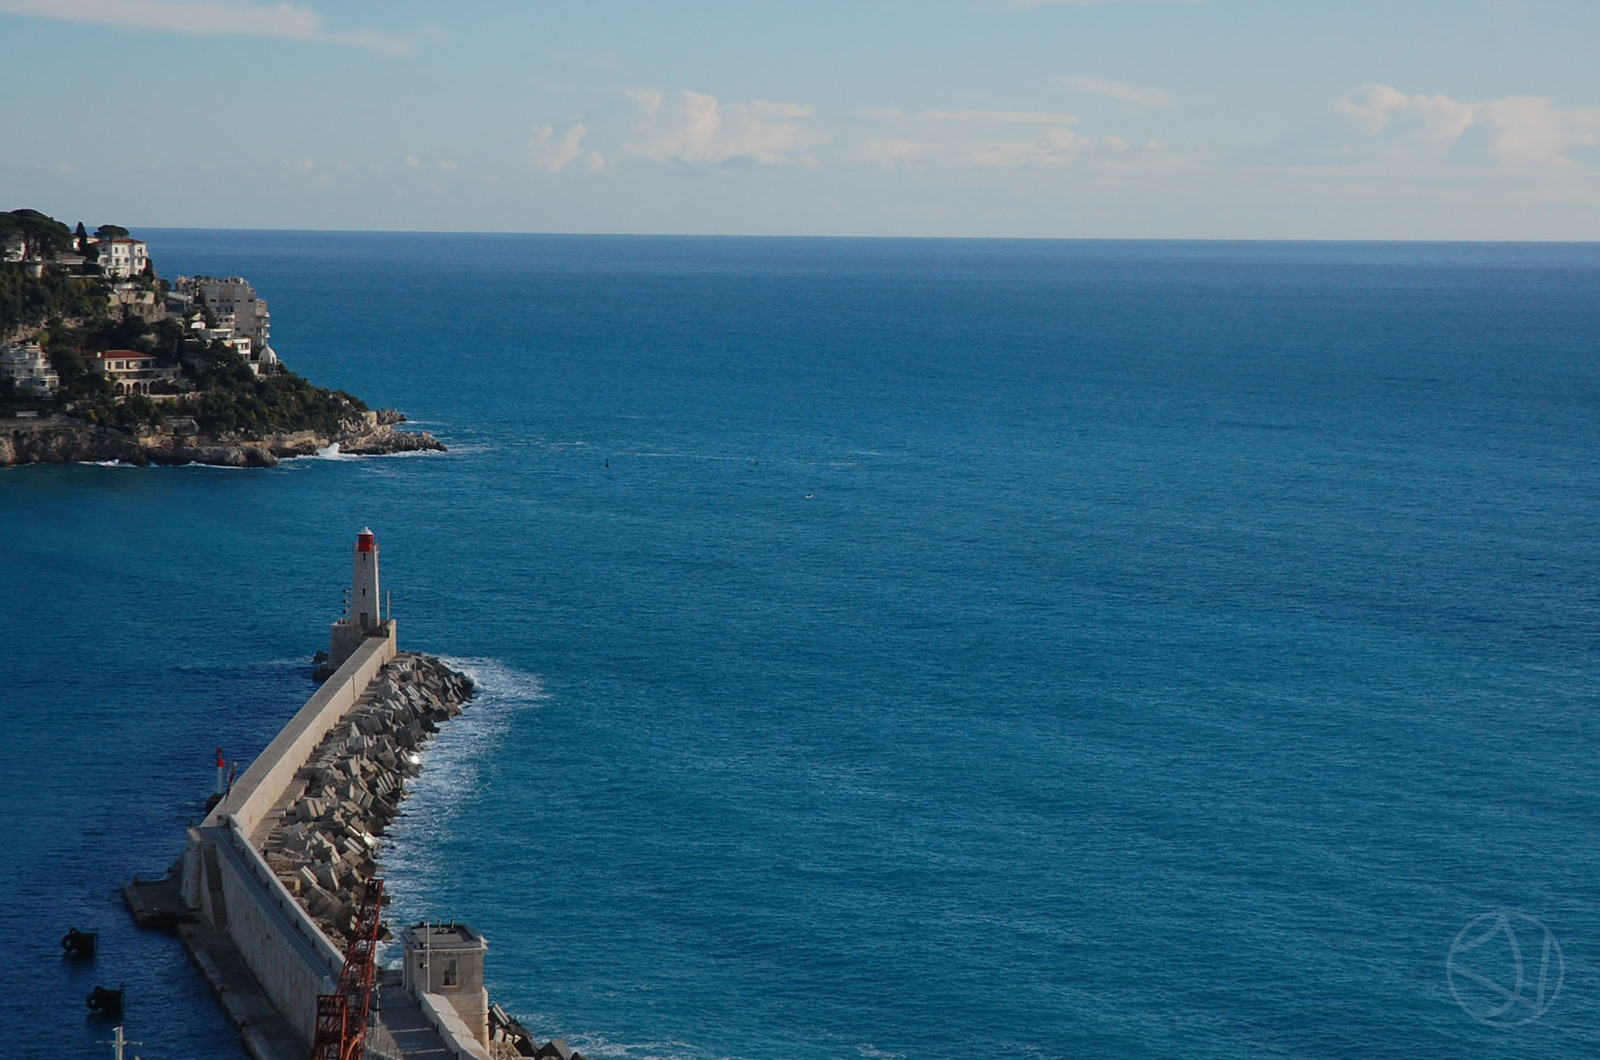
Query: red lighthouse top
(365, 542)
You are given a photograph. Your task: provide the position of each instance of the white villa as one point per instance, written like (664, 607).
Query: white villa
(122, 258)
(132, 371)
(28, 368)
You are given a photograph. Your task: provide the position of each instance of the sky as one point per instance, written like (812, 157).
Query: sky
(1238, 119)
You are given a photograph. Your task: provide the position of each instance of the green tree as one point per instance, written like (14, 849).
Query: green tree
(44, 235)
(134, 411)
(27, 301)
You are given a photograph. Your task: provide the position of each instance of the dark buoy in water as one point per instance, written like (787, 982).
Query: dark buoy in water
(107, 1003)
(608, 461)
(79, 943)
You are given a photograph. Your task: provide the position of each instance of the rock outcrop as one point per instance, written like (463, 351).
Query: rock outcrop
(60, 440)
(324, 845)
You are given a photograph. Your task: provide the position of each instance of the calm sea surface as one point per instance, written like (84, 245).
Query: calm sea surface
(890, 648)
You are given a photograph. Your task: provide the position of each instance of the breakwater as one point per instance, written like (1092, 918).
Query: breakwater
(279, 882)
(242, 913)
(271, 879)
(323, 844)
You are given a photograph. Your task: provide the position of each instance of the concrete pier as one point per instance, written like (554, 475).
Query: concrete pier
(243, 907)
(265, 894)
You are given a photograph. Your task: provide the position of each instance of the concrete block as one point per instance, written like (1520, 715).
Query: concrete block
(320, 902)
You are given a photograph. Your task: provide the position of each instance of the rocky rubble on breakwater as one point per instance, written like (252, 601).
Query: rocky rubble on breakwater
(324, 845)
(60, 439)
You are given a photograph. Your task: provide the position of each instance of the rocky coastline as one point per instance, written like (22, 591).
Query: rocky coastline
(61, 440)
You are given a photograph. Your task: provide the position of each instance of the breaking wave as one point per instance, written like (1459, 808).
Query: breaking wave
(451, 778)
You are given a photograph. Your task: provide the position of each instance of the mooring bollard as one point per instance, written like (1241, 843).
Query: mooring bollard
(106, 1003)
(79, 943)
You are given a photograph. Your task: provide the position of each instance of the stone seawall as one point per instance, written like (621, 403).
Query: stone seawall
(278, 867)
(270, 775)
(227, 881)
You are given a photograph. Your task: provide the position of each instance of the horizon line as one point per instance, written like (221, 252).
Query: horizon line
(1397, 241)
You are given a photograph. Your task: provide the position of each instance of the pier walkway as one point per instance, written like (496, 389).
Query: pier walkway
(403, 1033)
(266, 1034)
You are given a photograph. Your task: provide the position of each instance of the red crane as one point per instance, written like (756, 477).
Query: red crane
(342, 1016)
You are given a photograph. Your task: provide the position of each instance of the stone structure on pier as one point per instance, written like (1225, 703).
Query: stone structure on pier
(446, 960)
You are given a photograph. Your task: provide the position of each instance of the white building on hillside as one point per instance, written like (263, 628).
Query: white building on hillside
(29, 370)
(230, 295)
(235, 307)
(132, 371)
(122, 258)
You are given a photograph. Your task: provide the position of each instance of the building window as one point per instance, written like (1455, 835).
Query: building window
(451, 975)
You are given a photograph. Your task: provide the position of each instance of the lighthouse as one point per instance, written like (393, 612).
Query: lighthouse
(364, 583)
(363, 615)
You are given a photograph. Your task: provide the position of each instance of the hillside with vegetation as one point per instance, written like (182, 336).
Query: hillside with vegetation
(56, 294)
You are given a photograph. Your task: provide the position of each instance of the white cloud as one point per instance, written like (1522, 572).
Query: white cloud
(434, 162)
(1028, 5)
(206, 18)
(1383, 122)
(1089, 85)
(1002, 117)
(552, 155)
(697, 129)
(997, 140)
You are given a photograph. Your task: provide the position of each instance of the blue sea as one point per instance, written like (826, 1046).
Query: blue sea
(888, 649)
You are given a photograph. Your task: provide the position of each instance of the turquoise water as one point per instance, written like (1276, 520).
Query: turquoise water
(890, 648)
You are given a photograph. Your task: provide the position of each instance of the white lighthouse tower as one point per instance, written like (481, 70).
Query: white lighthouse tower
(364, 582)
(363, 615)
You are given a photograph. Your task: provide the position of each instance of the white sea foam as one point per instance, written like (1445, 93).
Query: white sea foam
(165, 467)
(451, 766)
(545, 1027)
(333, 452)
(452, 451)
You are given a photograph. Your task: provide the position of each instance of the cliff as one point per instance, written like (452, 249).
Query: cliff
(60, 440)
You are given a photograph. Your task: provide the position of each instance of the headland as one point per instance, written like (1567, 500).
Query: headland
(103, 360)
